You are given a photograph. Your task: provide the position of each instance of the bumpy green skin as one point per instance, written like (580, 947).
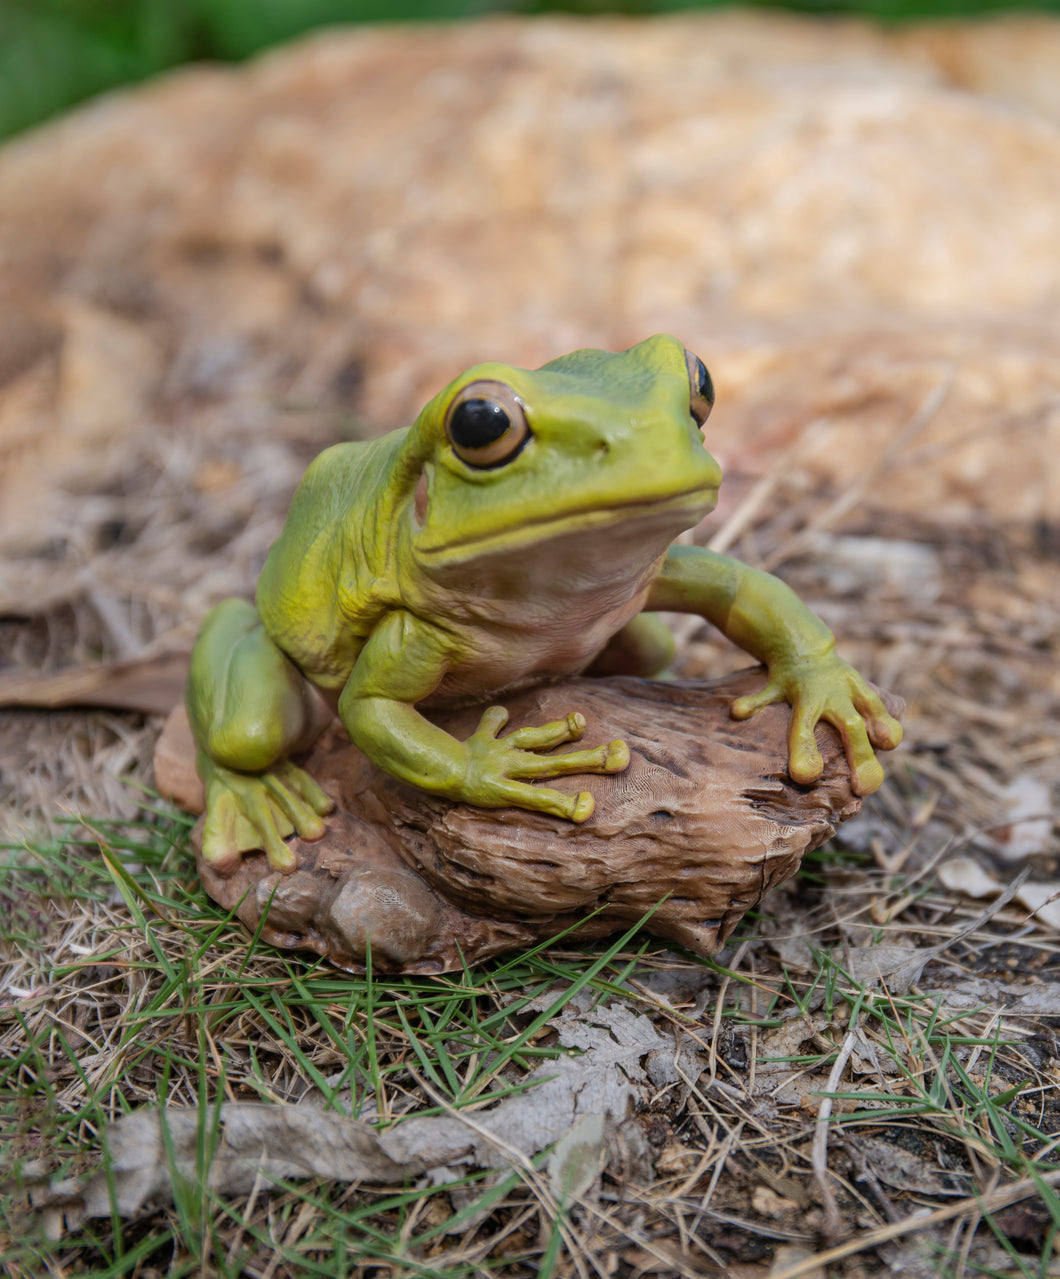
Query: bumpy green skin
(406, 578)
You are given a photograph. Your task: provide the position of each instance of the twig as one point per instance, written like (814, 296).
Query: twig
(832, 1221)
(982, 1205)
(868, 1176)
(760, 493)
(719, 1008)
(245, 1217)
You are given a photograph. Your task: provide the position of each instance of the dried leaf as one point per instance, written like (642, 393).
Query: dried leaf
(788, 1256)
(897, 967)
(252, 1140)
(914, 1258)
(786, 1040)
(1024, 1001)
(767, 1203)
(1028, 810)
(569, 1104)
(576, 1161)
(793, 951)
(870, 1058)
(153, 685)
(965, 875)
(777, 1076)
(623, 1055)
(902, 1168)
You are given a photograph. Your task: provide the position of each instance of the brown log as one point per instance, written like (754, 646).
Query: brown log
(700, 826)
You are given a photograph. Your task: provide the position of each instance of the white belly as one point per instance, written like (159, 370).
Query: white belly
(555, 639)
(540, 614)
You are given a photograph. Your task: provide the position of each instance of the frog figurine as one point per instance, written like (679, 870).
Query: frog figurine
(518, 529)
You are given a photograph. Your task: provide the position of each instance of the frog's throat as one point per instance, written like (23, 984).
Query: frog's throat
(694, 504)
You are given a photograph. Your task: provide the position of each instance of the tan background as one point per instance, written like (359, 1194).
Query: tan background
(207, 279)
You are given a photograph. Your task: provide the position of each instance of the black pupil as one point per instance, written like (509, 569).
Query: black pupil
(704, 386)
(477, 423)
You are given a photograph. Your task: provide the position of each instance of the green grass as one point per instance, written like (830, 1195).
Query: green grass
(55, 53)
(152, 995)
(946, 1082)
(127, 987)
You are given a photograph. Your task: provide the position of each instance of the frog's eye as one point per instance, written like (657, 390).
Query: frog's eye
(486, 425)
(702, 388)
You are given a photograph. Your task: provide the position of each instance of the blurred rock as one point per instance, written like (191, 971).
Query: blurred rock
(837, 218)
(1014, 60)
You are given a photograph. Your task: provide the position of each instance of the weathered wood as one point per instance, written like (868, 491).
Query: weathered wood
(700, 826)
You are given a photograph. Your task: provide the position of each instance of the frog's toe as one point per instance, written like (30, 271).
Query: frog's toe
(584, 807)
(229, 832)
(868, 777)
(242, 817)
(612, 758)
(306, 788)
(885, 734)
(745, 707)
(884, 731)
(575, 808)
(221, 835)
(303, 815)
(269, 835)
(805, 764)
(508, 792)
(493, 720)
(542, 737)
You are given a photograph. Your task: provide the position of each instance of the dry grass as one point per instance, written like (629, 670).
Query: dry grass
(872, 1110)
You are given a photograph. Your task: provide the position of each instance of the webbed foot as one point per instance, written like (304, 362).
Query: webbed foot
(501, 768)
(248, 811)
(829, 690)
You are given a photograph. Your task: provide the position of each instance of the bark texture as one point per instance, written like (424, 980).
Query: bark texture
(700, 826)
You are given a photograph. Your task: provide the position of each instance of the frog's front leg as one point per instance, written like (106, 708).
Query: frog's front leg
(249, 708)
(767, 619)
(402, 663)
(644, 647)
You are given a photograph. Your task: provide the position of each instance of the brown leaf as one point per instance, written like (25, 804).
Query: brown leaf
(273, 1142)
(902, 1168)
(153, 685)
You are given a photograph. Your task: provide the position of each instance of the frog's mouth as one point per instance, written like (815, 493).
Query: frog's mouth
(695, 503)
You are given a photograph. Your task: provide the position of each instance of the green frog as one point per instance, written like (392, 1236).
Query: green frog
(518, 532)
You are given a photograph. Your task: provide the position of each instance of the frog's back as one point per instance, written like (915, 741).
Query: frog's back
(325, 581)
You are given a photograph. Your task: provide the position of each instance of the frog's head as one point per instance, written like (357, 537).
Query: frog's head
(509, 458)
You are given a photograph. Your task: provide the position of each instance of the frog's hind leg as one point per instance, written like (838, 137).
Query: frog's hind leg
(645, 646)
(250, 708)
